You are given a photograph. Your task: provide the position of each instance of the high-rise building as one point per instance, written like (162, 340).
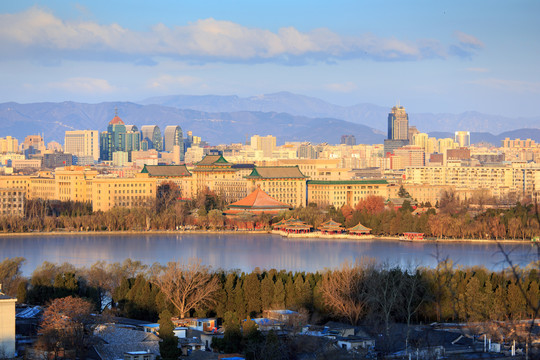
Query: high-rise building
(119, 137)
(265, 143)
(152, 134)
(398, 130)
(133, 138)
(114, 139)
(9, 145)
(348, 140)
(398, 124)
(174, 137)
(82, 143)
(463, 138)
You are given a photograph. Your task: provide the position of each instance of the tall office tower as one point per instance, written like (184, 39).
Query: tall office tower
(398, 124)
(114, 139)
(265, 143)
(463, 138)
(133, 138)
(82, 143)
(348, 140)
(9, 145)
(398, 130)
(152, 134)
(173, 136)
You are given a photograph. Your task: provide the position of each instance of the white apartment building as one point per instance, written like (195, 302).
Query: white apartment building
(521, 179)
(82, 143)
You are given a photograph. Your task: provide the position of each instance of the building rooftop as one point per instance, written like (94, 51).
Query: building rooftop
(276, 172)
(259, 199)
(210, 160)
(166, 170)
(116, 121)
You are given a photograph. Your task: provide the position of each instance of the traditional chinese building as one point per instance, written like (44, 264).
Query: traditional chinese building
(220, 176)
(178, 174)
(257, 202)
(286, 184)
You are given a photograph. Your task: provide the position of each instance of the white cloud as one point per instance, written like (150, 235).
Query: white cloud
(469, 40)
(83, 85)
(39, 33)
(346, 87)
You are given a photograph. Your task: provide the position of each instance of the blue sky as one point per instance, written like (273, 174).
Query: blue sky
(432, 56)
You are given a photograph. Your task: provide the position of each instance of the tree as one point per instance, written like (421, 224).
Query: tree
(11, 274)
(187, 286)
(167, 193)
(168, 347)
(372, 204)
(402, 193)
(345, 292)
(66, 324)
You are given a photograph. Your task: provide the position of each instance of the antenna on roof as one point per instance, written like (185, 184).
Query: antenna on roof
(116, 111)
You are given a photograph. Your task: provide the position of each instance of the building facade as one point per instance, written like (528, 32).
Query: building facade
(7, 326)
(286, 184)
(173, 136)
(12, 202)
(339, 193)
(82, 143)
(151, 135)
(110, 192)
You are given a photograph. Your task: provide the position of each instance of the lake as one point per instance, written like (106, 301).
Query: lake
(248, 251)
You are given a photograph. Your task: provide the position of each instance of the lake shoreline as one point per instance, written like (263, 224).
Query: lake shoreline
(308, 236)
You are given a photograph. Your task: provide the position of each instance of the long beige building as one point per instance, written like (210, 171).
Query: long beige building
(499, 180)
(347, 192)
(109, 192)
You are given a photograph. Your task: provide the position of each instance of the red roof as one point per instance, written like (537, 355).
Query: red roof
(116, 121)
(259, 199)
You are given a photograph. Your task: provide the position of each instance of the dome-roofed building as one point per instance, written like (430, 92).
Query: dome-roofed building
(117, 138)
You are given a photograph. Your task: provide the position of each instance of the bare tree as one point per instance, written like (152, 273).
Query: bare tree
(65, 326)
(187, 286)
(385, 287)
(345, 291)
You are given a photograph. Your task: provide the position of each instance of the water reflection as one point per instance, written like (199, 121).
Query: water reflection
(247, 251)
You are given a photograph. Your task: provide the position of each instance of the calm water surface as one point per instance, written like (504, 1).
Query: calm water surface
(248, 251)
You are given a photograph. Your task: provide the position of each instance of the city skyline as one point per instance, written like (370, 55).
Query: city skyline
(435, 57)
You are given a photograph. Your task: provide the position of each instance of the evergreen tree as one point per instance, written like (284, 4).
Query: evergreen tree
(290, 293)
(229, 290)
(402, 193)
(252, 294)
(168, 347)
(267, 292)
(22, 292)
(239, 300)
(279, 294)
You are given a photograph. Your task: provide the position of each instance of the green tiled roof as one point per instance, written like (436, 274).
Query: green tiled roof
(166, 170)
(276, 172)
(209, 160)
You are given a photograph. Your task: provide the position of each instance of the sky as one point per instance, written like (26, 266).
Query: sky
(430, 56)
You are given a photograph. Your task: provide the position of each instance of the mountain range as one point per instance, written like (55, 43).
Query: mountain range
(227, 119)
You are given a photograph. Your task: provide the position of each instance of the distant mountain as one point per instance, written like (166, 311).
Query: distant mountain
(366, 114)
(53, 119)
